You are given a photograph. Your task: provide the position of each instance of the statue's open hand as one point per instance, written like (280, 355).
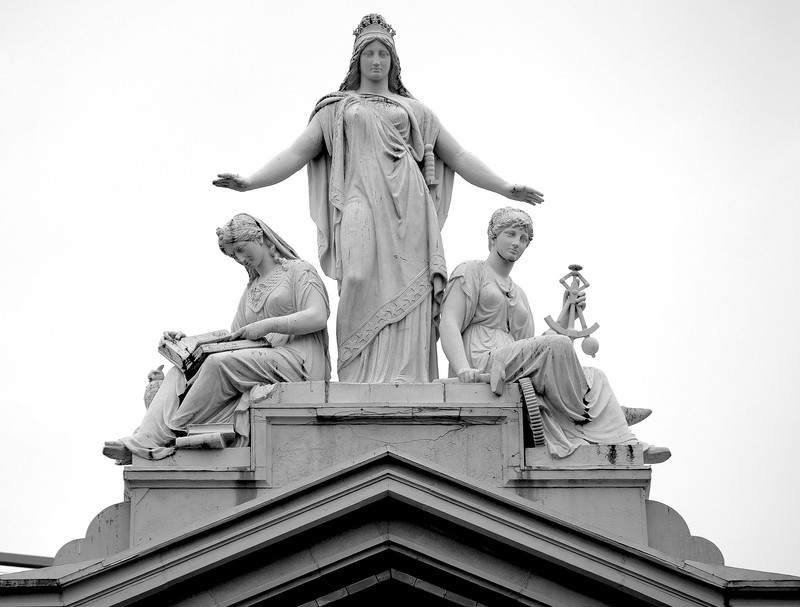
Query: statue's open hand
(525, 194)
(232, 182)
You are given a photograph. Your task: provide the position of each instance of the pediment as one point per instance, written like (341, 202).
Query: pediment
(389, 528)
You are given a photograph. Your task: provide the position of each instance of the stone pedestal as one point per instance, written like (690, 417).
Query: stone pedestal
(301, 430)
(169, 494)
(605, 485)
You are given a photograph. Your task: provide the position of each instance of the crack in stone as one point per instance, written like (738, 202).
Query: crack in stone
(461, 426)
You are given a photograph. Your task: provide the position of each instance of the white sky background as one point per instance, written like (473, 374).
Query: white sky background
(665, 136)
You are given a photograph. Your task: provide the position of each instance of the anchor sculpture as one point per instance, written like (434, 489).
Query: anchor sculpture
(574, 302)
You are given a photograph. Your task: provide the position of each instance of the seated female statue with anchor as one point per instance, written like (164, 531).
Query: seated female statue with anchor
(487, 333)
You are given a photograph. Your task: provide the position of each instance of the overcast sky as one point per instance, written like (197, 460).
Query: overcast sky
(665, 136)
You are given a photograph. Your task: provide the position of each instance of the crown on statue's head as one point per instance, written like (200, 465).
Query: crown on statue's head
(373, 23)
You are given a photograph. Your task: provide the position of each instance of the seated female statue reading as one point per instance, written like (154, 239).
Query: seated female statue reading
(487, 328)
(285, 303)
(378, 217)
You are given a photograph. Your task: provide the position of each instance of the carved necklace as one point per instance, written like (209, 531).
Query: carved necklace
(260, 291)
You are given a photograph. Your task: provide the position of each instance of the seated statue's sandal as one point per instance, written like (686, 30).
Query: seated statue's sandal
(118, 452)
(656, 455)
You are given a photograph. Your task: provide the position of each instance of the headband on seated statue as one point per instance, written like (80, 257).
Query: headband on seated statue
(506, 217)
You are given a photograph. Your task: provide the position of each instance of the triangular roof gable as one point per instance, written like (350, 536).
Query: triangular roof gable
(388, 512)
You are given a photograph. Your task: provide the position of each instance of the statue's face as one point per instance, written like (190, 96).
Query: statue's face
(248, 253)
(511, 243)
(375, 61)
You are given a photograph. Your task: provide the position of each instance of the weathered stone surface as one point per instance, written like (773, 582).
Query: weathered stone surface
(459, 393)
(669, 533)
(303, 438)
(596, 456)
(311, 392)
(237, 458)
(303, 430)
(359, 394)
(299, 451)
(407, 522)
(107, 534)
(602, 485)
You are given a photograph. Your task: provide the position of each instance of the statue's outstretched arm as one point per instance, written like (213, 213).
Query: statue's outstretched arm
(477, 173)
(305, 148)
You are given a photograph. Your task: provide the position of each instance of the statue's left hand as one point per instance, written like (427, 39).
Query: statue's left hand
(251, 331)
(524, 194)
(232, 182)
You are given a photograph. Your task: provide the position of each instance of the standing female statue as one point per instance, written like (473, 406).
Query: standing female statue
(379, 226)
(285, 303)
(487, 328)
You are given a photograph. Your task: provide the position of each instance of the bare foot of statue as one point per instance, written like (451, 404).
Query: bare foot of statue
(118, 452)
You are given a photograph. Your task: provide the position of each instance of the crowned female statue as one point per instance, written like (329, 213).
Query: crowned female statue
(379, 222)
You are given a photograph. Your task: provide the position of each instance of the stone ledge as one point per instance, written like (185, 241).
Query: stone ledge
(202, 480)
(587, 456)
(237, 458)
(383, 414)
(573, 478)
(333, 394)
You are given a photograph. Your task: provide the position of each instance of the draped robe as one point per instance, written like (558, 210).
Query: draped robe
(218, 392)
(577, 404)
(379, 233)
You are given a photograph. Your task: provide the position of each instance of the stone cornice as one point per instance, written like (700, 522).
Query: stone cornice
(495, 515)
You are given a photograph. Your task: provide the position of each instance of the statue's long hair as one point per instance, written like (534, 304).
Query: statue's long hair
(353, 79)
